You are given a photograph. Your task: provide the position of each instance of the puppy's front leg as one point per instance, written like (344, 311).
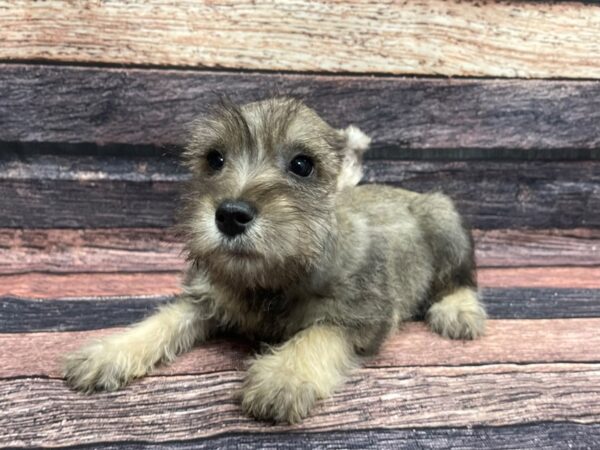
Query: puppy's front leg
(112, 362)
(284, 384)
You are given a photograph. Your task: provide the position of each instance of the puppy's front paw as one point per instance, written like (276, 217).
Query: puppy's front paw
(100, 366)
(272, 392)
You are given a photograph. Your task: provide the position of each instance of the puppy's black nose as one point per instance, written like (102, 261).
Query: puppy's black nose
(234, 216)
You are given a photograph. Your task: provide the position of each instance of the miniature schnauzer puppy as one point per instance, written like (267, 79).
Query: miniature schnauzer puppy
(285, 248)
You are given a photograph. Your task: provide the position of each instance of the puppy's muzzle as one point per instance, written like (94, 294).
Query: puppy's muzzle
(233, 217)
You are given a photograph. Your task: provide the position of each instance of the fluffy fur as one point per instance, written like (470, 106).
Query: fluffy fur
(324, 273)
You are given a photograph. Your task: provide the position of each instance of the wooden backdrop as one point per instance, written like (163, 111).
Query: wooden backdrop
(495, 103)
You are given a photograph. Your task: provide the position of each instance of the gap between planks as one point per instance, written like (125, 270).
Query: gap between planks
(506, 341)
(344, 36)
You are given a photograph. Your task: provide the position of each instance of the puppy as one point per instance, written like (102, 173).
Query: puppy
(286, 249)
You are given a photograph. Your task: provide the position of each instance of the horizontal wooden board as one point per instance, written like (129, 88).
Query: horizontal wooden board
(97, 192)
(506, 248)
(541, 436)
(506, 341)
(91, 250)
(159, 249)
(77, 285)
(451, 38)
(19, 315)
(541, 277)
(43, 412)
(42, 285)
(459, 117)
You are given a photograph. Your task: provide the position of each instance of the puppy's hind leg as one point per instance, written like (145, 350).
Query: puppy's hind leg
(458, 315)
(112, 362)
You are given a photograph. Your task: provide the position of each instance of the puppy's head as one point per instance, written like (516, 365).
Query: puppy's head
(260, 209)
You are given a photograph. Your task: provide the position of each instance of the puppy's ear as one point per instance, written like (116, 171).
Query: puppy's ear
(356, 144)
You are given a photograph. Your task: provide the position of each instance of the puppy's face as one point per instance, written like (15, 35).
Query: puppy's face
(260, 208)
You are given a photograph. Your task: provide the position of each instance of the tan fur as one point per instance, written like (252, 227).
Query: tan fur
(323, 271)
(458, 315)
(283, 384)
(112, 362)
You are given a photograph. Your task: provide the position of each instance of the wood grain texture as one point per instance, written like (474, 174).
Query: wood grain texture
(427, 37)
(188, 407)
(153, 107)
(551, 341)
(19, 315)
(541, 436)
(41, 285)
(77, 285)
(90, 250)
(541, 277)
(505, 248)
(96, 192)
(158, 250)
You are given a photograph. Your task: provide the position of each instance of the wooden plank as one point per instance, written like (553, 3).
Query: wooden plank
(440, 37)
(543, 436)
(505, 248)
(152, 107)
(504, 194)
(77, 285)
(551, 341)
(90, 250)
(98, 192)
(541, 303)
(493, 395)
(541, 277)
(41, 285)
(19, 315)
(156, 249)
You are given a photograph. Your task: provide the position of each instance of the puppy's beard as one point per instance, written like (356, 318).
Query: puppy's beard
(265, 255)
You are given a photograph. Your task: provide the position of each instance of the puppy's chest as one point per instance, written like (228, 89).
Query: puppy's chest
(263, 314)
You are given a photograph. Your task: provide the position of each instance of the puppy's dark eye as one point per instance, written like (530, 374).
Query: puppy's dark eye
(215, 160)
(301, 165)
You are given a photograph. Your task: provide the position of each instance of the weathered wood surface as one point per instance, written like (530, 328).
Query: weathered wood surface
(95, 250)
(541, 277)
(77, 285)
(202, 405)
(505, 248)
(158, 250)
(20, 315)
(549, 341)
(427, 37)
(153, 107)
(97, 192)
(42, 285)
(541, 436)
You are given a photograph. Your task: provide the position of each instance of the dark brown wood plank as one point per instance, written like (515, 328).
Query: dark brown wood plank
(541, 436)
(20, 315)
(131, 106)
(156, 249)
(98, 192)
(505, 194)
(555, 341)
(77, 285)
(443, 37)
(43, 412)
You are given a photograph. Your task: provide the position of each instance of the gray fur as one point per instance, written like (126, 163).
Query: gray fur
(327, 265)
